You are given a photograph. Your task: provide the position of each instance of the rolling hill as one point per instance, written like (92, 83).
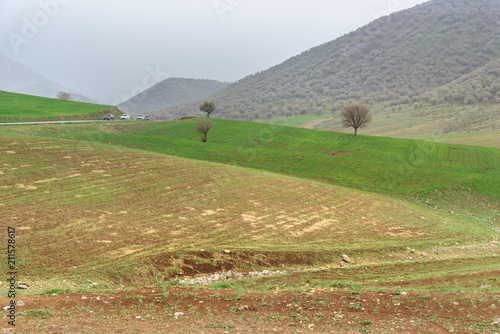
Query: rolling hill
(439, 53)
(124, 221)
(171, 92)
(27, 108)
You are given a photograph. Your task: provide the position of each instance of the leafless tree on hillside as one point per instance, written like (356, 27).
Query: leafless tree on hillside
(356, 115)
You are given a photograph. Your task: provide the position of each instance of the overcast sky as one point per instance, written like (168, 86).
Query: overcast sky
(111, 49)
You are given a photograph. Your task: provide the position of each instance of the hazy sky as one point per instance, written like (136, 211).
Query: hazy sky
(111, 49)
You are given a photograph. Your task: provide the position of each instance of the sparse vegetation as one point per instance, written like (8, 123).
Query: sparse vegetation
(356, 116)
(208, 108)
(203, 126)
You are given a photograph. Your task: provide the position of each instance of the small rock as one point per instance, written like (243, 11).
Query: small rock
(24, 283)
(6, 308)
(410, 258)
(22, 286)
(178, 314)
(227, 251)
(346, 258)
(83, 297)
(413, 251)
(243, 308)
(138, 317)
(496, 322)
(424, 254)
(20, 303)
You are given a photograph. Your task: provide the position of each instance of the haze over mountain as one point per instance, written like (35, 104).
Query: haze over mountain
(442, 51)
(17, 78)
(171, 92)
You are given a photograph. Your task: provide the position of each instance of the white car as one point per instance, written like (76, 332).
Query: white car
(140, 117)
(124, 117)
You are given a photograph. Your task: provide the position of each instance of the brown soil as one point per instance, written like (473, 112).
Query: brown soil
(150, 310)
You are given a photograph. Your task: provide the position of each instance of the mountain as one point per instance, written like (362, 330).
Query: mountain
(171, 92)
(17, 78)
(410, 58)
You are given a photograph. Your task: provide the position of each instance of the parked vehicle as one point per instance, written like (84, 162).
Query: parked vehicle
(140, 117)
(108, 117)
(125, 117)
(146, 118)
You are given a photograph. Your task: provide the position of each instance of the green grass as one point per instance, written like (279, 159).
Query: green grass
(23, 108)
(488, 138)
(295, 121)
(386, 165)
(121, 214)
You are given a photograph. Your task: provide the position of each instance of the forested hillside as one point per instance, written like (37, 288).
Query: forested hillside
(440, 52)
(171, 92)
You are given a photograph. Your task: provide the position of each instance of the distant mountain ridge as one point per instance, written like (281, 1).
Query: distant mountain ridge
(17, 78)
(171, 92)
(431, 53)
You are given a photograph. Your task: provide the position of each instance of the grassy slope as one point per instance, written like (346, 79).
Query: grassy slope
(438, 121)
(92, 210)
(386, 165)
(488, 138)
(18, 107)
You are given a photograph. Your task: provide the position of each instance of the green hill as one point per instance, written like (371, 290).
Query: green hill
(435, 55)
(115, 213)
(438, 175)
(22, 108)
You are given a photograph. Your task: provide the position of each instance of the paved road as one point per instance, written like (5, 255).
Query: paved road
(54, 122)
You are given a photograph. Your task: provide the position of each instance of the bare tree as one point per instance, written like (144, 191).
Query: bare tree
(203, 126)
(356, 115)
(208, 107)
(63, 96)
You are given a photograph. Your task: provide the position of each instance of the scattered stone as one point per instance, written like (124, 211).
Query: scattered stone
(243, 308)
(346, 258)
(496, 322)
(22, 286)
(227, 251)
(232, 276)
(410, 258)
(455, 303)
(6, 308)
(413, 251)
(24, 283)
(20, 303)
(424, 254)
(178, 314)
(339, 316)
(138, 317)
(83, 297)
